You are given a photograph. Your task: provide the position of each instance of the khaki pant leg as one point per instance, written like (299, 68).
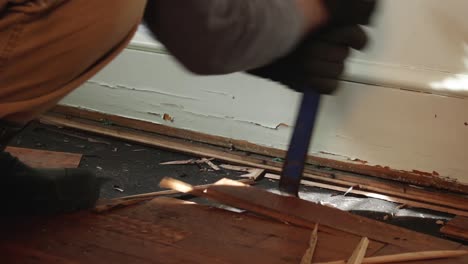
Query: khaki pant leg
(50, 47)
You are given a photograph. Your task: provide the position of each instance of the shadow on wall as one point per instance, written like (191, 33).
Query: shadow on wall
(451, 23)
(416, 45)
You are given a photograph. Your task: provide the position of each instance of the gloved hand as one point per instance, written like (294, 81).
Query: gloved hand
(318, 62)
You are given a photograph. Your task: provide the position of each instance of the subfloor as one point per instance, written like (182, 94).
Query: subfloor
(135, 169)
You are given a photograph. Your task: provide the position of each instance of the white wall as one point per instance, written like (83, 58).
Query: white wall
(417, 45)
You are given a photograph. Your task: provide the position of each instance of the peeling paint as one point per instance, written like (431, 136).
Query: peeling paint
(172, 105)
(153, 91)
(359, 161)
(167, 117)
(282, 125)
(217, 92)
(154, 114)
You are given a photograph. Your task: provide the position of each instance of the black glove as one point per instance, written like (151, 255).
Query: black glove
(318, 62)
(350, 12)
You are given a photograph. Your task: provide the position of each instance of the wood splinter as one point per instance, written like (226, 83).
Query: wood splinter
(309, 254)
(360, 252)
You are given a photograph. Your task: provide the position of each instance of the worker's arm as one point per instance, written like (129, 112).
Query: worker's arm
(224, 36)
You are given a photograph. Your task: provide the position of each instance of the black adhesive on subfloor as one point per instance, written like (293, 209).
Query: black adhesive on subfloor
(134, 169)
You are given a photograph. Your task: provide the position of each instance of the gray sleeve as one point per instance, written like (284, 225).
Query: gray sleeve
(224, 36)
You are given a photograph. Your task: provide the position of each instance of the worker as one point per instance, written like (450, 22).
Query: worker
(48, 48)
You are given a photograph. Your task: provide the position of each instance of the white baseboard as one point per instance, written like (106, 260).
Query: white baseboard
(400, 129)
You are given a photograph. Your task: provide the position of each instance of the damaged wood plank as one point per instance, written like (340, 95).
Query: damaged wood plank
(413, 177)
(306, 214)
(45, 159)
(333, 177)
(457, 228)
(399, 200)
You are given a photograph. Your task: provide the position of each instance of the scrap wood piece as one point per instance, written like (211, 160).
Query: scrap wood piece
(405, 257)
(107, 205)
(211, 164)
(193, 161)
(306, 214)
(252, 173)
(236, 168)
(309, 254)
(457, 228)
(255, 174)
(403, 201)
(185, 162)
(360, 252)
(45, 159)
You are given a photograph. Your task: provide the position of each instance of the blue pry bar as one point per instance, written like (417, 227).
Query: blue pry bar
(299, 145)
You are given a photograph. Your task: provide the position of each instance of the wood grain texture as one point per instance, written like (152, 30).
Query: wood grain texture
(45, 159)
(165, 230)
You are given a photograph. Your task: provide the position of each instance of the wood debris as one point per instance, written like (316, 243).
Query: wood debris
(252, 173)
(193, 161)
(255, 174)
(235, 168)
(211, 164)
(107, 205)
(118, 188)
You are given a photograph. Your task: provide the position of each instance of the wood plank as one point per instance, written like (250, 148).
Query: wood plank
(332, 177)
(306, 214)
(45, 159)
(457, 228)
(407, 202)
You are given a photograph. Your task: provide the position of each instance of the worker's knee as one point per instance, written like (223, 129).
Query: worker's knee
(52, 52)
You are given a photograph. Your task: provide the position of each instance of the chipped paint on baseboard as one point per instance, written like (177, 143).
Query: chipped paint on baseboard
(141, 90)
